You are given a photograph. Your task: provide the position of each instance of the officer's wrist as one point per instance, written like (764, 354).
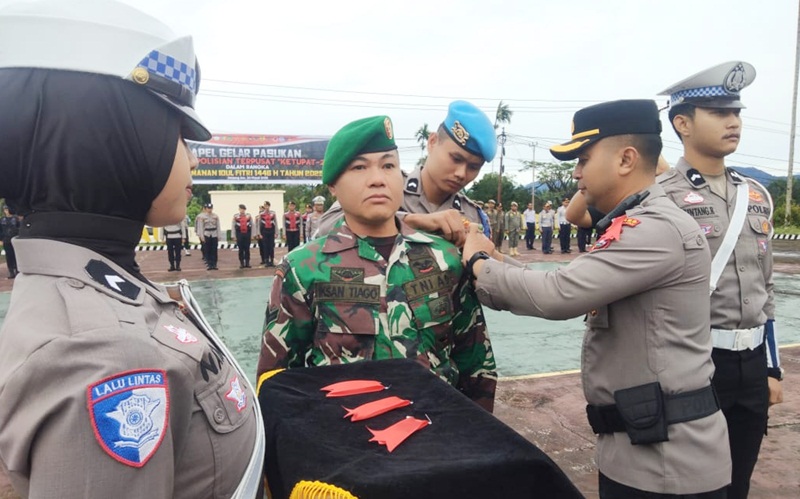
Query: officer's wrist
(775, 372)
(475, 264)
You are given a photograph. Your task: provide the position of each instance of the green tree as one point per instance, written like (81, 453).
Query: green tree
(557, 180)
(486, 189)
(502, 115)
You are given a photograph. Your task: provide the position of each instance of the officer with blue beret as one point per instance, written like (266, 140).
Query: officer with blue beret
(433, 193)
(705, 114)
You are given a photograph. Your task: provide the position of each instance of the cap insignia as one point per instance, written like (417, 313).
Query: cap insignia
(387, 125)
(460, 133)
(735, 79)
(140, 75)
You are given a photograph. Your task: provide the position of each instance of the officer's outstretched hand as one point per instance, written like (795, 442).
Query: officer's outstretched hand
(449, 224)
(775, 391)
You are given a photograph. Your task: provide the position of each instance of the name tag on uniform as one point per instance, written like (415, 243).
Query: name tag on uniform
(348, 291)
(427, 285)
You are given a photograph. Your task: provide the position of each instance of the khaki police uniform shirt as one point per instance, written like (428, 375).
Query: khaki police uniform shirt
(414, 201)
(646, 299)
(64, 334)
(199, 221)
(312, 224)
(209, 226)
(744, 297)
(175, 231)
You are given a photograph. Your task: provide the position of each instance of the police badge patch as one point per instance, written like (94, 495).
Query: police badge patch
(129, 413)
(237, 394)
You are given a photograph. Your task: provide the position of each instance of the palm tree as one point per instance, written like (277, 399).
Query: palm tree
(422, 136)
(503, 115)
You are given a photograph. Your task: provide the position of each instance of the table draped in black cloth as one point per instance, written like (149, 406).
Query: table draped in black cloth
(464, 453)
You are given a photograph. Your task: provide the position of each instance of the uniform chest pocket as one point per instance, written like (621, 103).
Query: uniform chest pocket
(597, 318)
(224, 398)
(762, 229)
(347, 308)
(760, 225)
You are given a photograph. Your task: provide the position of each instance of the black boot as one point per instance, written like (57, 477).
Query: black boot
(171, 268)
(247, 264)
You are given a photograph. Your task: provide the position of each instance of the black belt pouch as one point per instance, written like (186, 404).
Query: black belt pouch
(642, 410)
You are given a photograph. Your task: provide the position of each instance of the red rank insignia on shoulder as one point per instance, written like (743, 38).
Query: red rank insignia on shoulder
(614, 231)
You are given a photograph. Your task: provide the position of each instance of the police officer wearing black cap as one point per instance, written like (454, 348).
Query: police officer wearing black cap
(735, 213)
(646, 360)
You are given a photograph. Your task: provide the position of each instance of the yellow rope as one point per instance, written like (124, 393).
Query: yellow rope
(267, 375)
(319, 490)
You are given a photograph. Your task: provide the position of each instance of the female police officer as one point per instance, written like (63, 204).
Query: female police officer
(110, 386)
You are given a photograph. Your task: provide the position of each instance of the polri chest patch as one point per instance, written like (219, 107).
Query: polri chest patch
(129, 413)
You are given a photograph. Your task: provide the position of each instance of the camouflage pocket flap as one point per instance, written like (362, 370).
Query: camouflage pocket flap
(431, 312)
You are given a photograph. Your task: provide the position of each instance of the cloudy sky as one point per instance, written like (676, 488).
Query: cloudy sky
(309, 66)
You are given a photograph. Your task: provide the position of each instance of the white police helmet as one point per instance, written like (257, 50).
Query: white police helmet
(104, 37)
(318, 200)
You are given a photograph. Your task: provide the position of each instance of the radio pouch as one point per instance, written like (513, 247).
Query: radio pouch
(642, 409)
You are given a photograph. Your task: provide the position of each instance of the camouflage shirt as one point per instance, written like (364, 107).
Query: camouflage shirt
(337, 300)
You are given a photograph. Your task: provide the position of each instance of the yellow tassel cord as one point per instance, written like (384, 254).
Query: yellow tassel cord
(319, 490)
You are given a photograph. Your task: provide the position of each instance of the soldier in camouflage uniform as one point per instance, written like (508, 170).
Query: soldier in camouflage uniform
(433, 197)
(374, 288)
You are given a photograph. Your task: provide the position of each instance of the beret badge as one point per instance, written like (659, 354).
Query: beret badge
(387, 125)
(460, 133)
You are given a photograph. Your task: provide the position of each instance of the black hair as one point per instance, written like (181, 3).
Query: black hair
(648, 145)
(683, 109)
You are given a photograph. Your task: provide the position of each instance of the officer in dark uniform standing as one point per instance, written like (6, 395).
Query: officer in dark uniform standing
(735, 214)
(433, 197)
(243, 228)
(646, 359)
(266, 231)
(292, 224)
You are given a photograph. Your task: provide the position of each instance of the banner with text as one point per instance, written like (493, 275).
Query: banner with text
(259, 159)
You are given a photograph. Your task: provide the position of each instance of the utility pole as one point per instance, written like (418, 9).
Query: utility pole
(794, 125)
(502, 140)
(533, 169)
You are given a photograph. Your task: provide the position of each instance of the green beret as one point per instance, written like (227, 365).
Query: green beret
(362, 136)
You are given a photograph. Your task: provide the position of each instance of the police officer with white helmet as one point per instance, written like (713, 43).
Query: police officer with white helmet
(110, 385)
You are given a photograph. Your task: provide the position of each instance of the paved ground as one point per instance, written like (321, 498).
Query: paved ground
(548, 410)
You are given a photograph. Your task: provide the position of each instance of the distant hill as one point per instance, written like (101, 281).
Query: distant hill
(763, 178)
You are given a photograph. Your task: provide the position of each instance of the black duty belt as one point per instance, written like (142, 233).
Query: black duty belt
(679, 408)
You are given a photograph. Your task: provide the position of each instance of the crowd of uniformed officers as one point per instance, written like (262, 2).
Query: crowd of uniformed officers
(120, 387)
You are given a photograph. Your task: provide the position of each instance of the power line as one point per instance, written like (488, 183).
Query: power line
(360, 92)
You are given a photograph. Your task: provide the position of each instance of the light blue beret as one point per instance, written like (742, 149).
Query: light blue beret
(470, 128)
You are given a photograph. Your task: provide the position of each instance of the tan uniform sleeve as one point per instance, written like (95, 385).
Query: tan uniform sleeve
(645, 257)
(44, 407)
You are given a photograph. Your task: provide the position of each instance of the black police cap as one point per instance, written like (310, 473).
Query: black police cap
(620, 117)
